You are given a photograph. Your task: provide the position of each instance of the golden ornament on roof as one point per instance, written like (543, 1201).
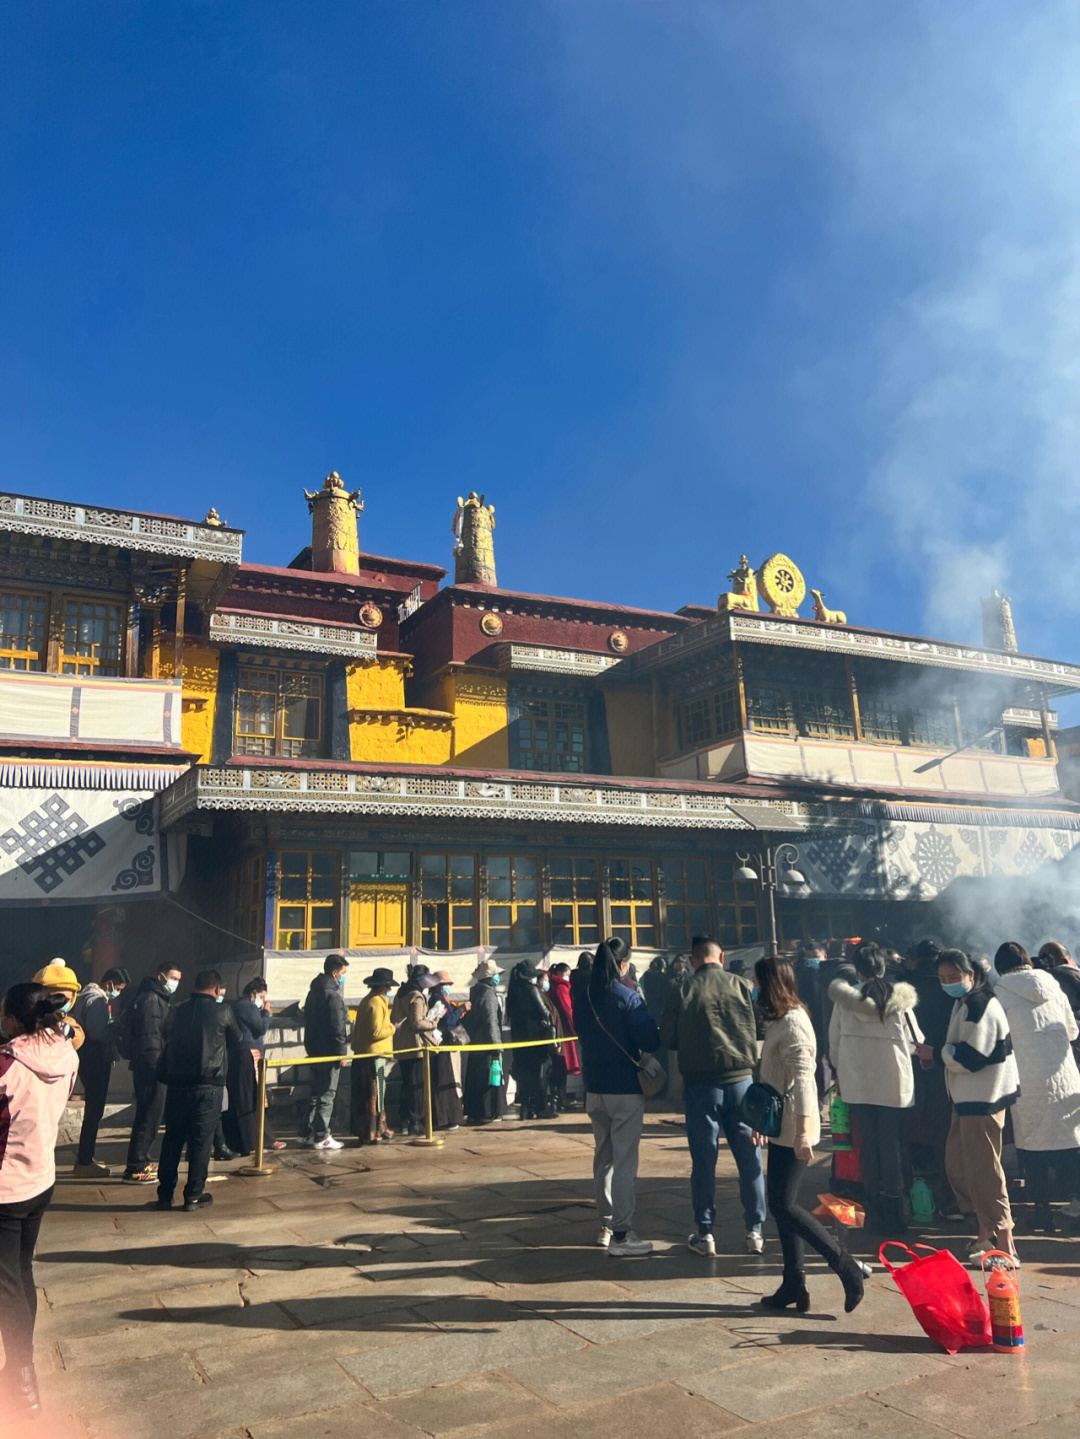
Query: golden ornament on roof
(781, 584)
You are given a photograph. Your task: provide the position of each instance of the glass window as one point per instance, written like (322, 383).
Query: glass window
(633, 902)
(736, 907)
(366, 864)
(23, 628)
(513, 908)
(934, 725)
(768, 708)
(575, 900)
(708, 716)
(279, 712)
(448, 901)
(93, 638)
(687, 901)
(551, 735)
(307, 899)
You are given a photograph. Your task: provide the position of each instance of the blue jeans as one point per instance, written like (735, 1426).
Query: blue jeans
(710, 1108)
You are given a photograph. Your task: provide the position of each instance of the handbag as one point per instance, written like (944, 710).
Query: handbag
(651, 1074)
(763, 1109)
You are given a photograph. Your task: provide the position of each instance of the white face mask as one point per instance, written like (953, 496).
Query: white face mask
(220, 998)
(171, 986)
(257, 1001)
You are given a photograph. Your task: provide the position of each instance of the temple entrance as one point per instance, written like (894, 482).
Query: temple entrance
(378, 915)
(35, 934)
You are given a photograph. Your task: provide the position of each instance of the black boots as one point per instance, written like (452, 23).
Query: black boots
(851, 1278)
(791, 1295)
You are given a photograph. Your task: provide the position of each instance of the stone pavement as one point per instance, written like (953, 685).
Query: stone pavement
(400, 1292)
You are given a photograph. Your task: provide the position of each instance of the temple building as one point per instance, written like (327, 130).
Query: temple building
(210, 759)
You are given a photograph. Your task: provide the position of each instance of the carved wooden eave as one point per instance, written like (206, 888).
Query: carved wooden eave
(407, 718)
(548, 659)
(309, 791)
(209, 553)
(308, 637)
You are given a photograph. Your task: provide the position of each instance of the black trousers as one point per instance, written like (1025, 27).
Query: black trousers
(795, 1225)
(95, 1067)
(1036, 1165)
(149, 1107)
(191, 1116)
(881, 1149)
(19, 1226)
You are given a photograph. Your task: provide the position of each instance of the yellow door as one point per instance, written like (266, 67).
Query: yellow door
(378, 915)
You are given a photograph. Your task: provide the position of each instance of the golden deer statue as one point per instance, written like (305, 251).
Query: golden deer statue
(826, 616)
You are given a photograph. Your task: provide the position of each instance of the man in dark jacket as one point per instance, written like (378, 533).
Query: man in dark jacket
(326, 1031)
(712, 1025)
(97, 1009)
(193, 1066)
(144, 1029)
(929, 1119)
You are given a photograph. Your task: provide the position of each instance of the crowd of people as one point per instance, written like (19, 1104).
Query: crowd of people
(935, 1054)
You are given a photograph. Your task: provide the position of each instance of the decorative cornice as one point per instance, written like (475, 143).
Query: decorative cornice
(550, 660)
(407, 718)
(316, 791)
(153, 534)
(758, 629)
(304, 636)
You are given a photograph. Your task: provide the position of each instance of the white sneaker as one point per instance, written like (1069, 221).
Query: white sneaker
(631, 1247)
(703, 1244)
(603, 1239)
(328, 1143)
(755, 1243)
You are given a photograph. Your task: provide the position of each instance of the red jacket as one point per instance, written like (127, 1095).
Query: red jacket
(559, 994)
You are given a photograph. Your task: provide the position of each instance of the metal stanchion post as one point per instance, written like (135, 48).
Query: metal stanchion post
(428, 1141)
(259, 1168)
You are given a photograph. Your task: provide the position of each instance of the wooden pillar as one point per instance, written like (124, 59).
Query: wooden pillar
(155, 643)
(131, 640)
(1044, 715)
(853, 691)
(270, 902)
(181, 608)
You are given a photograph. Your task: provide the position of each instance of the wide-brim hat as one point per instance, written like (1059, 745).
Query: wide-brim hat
(486, 969)
(380, 977)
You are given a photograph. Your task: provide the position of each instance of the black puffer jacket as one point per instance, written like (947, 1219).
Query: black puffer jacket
(146, 1024)
(253, 1022)
(195, 1050)
(326, 1020)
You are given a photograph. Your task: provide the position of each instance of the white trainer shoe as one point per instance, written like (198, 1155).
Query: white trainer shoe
(329, 1143)
(703, 1244)
(603, 1239)
(630, 1247)
(755, 1242)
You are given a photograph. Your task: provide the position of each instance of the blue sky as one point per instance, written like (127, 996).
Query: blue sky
(667, 281)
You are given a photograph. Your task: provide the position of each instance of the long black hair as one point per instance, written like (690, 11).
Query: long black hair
(870, 966)
(32, 1006)
(963, 964)
(1011, 955)
(610, 955)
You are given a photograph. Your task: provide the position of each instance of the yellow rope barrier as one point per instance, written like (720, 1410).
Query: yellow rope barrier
(425, 1050)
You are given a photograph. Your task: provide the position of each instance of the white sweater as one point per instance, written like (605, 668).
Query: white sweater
(788, 1062)
(1047, 1114)
(873, 1054)
(980, 1070)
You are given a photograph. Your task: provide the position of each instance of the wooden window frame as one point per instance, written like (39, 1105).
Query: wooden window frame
(732, 902)
(517, 906)
(308, 903)
(527, 756)
(476, 905)
(90, 666)
(670, 866)
(653, 902)
(282, 746)
(579, 903)
(19, 592)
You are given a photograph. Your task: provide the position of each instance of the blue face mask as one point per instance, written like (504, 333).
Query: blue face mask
(341, 982)
(496, 979)
(220, 998)
(955, 991)
(812, 961)
(755, 993)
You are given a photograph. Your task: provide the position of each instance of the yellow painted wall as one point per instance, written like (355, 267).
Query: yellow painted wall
(381, 729)
(199, 677)
(629, 725)
(477, 700)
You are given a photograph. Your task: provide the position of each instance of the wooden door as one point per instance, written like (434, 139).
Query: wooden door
(378, 915)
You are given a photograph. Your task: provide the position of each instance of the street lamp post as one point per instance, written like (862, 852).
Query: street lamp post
(777, 871)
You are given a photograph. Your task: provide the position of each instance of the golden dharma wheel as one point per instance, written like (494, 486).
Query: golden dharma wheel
(781, 583)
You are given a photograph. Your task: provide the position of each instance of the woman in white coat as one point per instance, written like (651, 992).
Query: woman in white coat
(1046, 1117)
(872, 1035)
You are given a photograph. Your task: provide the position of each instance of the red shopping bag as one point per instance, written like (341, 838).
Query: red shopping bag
(940, 1291)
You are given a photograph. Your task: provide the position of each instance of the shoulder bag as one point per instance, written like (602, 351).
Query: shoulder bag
(651, 1074)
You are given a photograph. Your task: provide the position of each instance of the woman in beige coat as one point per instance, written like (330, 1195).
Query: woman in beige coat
(788, 1064)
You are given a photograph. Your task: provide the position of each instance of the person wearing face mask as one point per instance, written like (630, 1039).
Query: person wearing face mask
(445, 1084)
(143, 1037)
(485, 1080)
(38, 1065)
(530, 1019)
(194, 1065)
(809, 981)
(241, 1120)
(326, 1032)
(983, 1081)
(97, 1010)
